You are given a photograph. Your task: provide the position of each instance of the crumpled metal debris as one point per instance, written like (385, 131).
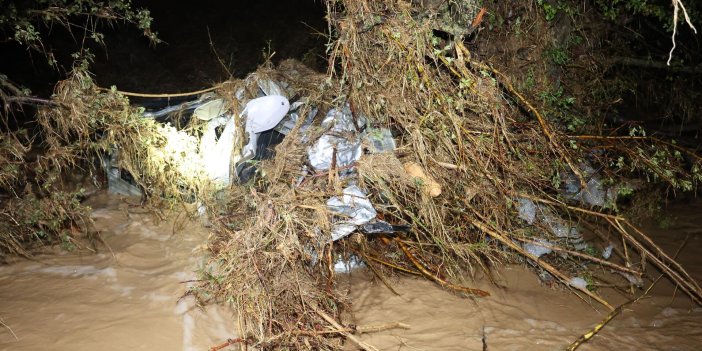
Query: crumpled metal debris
(269, 88)
(288, 123)
(211, 109)
(342, 137)
(341, 144)
(115, 183)
(322, 152)
(356, 209)
(182, 107)
(382, 227)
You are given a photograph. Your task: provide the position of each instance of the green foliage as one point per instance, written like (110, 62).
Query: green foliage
(47, 219)
(22, 20)
(550, 11)
(559, 56)
(39, 211)
(559, 107)
(660, 11)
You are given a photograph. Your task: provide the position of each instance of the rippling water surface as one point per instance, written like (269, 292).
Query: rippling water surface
(128, 299)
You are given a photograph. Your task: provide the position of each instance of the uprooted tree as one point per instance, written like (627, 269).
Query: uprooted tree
(480, 174)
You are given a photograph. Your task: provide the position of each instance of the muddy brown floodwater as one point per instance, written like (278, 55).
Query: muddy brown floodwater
(128, 299)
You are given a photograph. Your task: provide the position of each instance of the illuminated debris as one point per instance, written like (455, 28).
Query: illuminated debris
(262, 114)
(354, 208)
(342, 139)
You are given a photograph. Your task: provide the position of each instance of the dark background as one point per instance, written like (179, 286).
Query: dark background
(189, 58)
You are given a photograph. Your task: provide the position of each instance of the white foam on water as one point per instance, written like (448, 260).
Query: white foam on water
(155, 297)
(669, 312)
(123, 290)
(183, 307)
(147, 233)
(89, 272)
(183, 276)
(102, 213)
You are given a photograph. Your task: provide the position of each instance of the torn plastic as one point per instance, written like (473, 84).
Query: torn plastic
(558, 227)
(379, 140)
(527, 210)
(531, 212)
(578, 283)
(542, 248)
(354, 207)
(217, 154)
(595, 193)
(633, 280)
(607, 252)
